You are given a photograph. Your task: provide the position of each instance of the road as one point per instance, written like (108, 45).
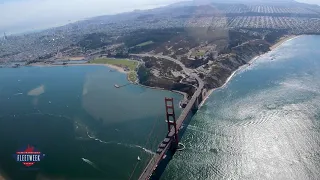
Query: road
(187, 71)
(154, 162)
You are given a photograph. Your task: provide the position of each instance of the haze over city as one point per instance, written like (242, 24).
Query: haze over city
(30, 15)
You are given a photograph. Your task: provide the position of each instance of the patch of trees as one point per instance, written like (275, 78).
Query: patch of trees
(94, 41)
(275, 35)
(47, 56)
(163, 65)
(193, 63)
(236, 38)
(143, 74)
(33, 61)
(157, 36)
(148, 79)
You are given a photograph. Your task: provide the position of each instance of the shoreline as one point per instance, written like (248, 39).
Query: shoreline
(209, 92)
(185, 96)
(118, 69)
(272, 48)
(283, 40)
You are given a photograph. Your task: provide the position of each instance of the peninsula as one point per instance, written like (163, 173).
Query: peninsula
(170, 47)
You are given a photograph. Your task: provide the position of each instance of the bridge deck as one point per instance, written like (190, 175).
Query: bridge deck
(164, 146)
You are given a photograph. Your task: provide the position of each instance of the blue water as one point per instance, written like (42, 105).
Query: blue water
(264, 124)
(87, 128)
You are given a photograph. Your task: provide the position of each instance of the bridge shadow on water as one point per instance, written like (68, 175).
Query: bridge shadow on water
(169, 155)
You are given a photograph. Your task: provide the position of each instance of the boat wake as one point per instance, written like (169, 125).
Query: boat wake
(122, 144)
(96, 139)
(146, 150)
(91, 164)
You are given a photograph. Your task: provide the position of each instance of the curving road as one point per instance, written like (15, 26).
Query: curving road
(188, 71)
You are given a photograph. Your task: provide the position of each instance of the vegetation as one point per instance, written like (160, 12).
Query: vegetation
(198, 53)
(124, 63)
(132, 76)
(143, 74)
(94, 41)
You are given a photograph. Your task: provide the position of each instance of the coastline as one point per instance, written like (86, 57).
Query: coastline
(185, 96)
(209, 92)
(283, 40)
(273, 47)
(119, 69)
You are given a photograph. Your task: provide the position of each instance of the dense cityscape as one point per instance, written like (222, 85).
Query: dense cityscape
(296, 18)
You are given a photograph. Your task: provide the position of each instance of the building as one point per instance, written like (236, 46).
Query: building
(5, 36)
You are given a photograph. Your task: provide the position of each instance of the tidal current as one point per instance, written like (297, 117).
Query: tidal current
(264, 124)
(87, 128)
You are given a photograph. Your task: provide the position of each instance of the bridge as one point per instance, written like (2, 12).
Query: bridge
(170, 142)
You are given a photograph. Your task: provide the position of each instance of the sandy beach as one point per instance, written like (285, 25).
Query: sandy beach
(282, 40)
(119, 69)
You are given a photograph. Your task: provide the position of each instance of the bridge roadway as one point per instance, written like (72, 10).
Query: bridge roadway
(165, 144)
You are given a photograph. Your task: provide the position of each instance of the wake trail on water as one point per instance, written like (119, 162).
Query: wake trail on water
(91, 164)
(122, 144)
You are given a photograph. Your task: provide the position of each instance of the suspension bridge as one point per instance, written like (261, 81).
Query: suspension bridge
(170, 142)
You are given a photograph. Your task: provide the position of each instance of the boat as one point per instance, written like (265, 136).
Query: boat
(116, 85)
(139, 158)
(164, 156)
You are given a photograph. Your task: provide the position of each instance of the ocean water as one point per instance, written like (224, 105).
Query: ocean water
(264, 124)
(87, 128)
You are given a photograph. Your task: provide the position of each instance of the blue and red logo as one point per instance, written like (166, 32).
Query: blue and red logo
(28, 156)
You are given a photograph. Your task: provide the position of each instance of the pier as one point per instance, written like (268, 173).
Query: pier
(120, 86)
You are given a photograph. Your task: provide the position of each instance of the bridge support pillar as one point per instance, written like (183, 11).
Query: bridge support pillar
(195, 106)
(201, 96)
(171, 122)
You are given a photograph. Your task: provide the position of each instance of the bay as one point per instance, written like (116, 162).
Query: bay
(87, 128)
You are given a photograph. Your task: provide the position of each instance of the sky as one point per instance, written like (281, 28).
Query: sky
(19, 16)
(28, 15)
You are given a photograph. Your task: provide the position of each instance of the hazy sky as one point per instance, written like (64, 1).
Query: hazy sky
(26, 15)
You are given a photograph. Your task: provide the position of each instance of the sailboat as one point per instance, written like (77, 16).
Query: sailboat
(139, 158)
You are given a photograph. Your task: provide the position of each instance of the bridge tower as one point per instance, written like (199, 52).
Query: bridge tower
(171, 121)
